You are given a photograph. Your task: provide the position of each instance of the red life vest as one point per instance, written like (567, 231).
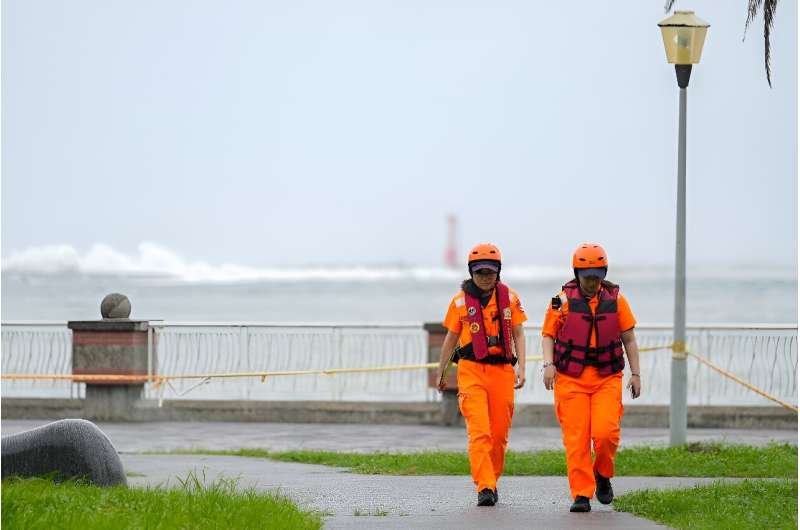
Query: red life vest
(480, 343)
(572, 351)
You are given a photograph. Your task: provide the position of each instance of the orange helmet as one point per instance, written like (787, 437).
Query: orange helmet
(589, 256)
(484, 251)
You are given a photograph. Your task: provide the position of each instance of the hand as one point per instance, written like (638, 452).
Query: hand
(520, 376)
(442, 384)
(549, 377)
(635, 386)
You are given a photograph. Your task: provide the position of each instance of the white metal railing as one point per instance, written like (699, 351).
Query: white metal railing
(37, 348)
(763, 354)
(219, 348)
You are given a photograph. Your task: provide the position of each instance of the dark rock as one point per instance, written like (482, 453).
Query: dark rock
(63, 449)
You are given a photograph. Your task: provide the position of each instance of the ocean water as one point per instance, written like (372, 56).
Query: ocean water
(380, 294)
(384, 295)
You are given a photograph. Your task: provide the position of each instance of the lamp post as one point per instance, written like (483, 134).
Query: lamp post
(683, 35)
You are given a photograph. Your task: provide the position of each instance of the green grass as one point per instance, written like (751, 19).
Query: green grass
(693, 460)
(770, 504)
(41, 504)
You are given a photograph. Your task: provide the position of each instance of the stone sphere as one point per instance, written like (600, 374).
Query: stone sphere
(115, 305)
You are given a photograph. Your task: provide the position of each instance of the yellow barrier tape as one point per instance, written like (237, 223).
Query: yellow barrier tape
(680, 348)
(85, 378)
(160, 380)
(742, 381)
(656, 348)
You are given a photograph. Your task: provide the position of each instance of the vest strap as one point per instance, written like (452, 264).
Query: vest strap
(615, 363)
(572, 346)
(466, 352)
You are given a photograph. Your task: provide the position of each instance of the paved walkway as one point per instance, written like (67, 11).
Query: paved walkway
(376, 501)
(373, 501)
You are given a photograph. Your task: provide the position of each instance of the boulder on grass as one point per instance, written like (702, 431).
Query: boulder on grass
(63, 449)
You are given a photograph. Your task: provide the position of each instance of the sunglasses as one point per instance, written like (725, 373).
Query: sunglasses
(485, 272)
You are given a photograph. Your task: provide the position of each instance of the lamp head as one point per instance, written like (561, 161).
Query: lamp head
(684, 35)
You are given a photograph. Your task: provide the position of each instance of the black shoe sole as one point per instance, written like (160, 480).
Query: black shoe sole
(580, 509)
(604, 499)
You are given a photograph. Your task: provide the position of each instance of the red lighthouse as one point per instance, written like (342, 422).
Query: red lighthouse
(451, 253)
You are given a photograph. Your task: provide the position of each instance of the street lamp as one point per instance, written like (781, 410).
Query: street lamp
(683, 35)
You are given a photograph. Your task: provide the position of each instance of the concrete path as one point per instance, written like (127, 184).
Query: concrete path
(373, 501)
(376, 501)
(163, 436)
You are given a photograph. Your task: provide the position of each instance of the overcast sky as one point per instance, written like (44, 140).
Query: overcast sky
(317, 133)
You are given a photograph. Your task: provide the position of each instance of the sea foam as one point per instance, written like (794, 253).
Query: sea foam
(152, 259)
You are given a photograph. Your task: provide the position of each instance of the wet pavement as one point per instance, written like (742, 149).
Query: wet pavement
(350, 500)
(163, 436)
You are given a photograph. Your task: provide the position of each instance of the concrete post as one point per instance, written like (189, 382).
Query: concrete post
(451, 415)
(114, 346)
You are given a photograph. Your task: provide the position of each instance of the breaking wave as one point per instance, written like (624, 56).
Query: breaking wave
(158, 261)
(153, 260)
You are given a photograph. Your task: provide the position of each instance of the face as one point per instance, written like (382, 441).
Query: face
(589, 284)
(484, 279)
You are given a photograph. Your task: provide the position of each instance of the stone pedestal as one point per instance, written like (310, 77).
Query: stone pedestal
(451, 415)
(111, 347)
(111, 402)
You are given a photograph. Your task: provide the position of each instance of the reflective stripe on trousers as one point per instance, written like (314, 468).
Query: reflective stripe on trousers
(486, 400)
(589, 409)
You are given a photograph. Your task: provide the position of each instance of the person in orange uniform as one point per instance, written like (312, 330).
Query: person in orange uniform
(485, 337)
(584, 331)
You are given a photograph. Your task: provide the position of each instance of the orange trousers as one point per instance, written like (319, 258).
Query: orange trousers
(589, 409)
(486, 400)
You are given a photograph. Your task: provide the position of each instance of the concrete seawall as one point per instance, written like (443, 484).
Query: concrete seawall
(397, 413)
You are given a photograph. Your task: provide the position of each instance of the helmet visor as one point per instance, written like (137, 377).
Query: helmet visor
(597, 272)
(484, 264)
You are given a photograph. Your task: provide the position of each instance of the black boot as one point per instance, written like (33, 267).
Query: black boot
(496, 496)
(486, 497)
(603, 490)
(581, 504)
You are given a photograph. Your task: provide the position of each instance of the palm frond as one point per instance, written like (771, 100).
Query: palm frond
(768, 7)
(769, 19)
(752, 12)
